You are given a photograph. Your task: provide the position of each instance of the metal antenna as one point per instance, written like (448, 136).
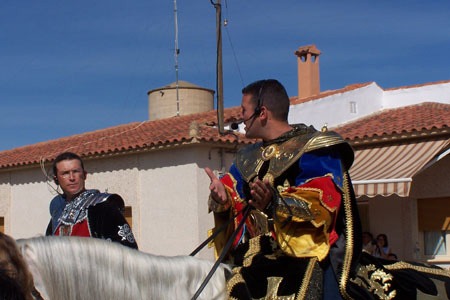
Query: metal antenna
(177, 52)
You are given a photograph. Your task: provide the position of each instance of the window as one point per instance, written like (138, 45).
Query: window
(434, 225)
(353, 107)
(434, 243)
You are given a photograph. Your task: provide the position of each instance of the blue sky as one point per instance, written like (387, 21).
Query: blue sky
(68, 67)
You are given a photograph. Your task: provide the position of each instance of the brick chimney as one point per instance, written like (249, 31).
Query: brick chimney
(308, 71)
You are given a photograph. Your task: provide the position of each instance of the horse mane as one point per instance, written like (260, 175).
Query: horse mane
(16, 281)
(90, 268)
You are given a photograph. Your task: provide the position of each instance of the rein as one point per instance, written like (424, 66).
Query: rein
(213, 235)
(224, 250)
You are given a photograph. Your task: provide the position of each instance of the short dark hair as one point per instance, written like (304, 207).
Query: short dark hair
(271, 94)
(66, 156)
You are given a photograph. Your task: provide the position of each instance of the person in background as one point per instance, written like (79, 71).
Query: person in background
(16, 281)
(85, 212)
(368, 242)
(382, 249)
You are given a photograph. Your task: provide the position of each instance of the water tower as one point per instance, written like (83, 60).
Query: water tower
(187, 98)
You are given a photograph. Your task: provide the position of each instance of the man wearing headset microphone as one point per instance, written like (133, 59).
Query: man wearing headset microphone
(286, 217)
(85, 212)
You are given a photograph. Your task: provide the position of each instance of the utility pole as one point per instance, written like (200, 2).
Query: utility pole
(177, 52)
(219, 70)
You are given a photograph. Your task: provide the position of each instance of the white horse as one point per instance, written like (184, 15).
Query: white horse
(89, 268)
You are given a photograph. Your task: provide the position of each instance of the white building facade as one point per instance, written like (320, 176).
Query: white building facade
(165, 187)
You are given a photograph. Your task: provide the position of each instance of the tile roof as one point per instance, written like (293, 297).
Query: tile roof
(409, 120)
(418, 85)
(129, 137)
(202, 127)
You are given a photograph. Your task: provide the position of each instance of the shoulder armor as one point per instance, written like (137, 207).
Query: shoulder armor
(250, 159)
(114, 199)
(327, 139)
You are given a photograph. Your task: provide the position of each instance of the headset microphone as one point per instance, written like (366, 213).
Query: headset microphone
(235, 125)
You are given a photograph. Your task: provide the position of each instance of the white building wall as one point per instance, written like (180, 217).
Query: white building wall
(28, 203)
(168, 189)
(174, 192)
(409, 96)
(337, 109)
(5, 200)
(395, 217)
(168, 192)
(169, 208)
(117, 175)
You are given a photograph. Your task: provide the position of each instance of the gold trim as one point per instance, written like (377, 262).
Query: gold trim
(269, 152)
(281, 156)
(254, 247)
(349, 243)
(234, 280)
(273, 283)
(306, 279)
(324, 139)
(404, 265)
(269, 177)
(376, 281)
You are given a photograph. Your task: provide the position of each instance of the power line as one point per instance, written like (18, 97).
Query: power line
(234, 55)
(225, 23)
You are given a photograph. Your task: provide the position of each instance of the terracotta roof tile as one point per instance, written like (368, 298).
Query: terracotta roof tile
(129, 137)
(418, 85)
(409, 119)
(202, 127)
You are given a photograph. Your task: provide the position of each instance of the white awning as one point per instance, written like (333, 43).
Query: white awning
(389, 170)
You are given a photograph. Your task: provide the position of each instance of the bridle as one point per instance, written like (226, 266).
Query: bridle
(225, 250)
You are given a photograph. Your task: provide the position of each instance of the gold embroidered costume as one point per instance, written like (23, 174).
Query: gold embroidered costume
(311, 229)
(296, 234)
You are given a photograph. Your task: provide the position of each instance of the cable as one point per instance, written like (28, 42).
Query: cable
(231, 44)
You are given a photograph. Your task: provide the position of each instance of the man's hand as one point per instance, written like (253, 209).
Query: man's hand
(262, 194)
(218, 192)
